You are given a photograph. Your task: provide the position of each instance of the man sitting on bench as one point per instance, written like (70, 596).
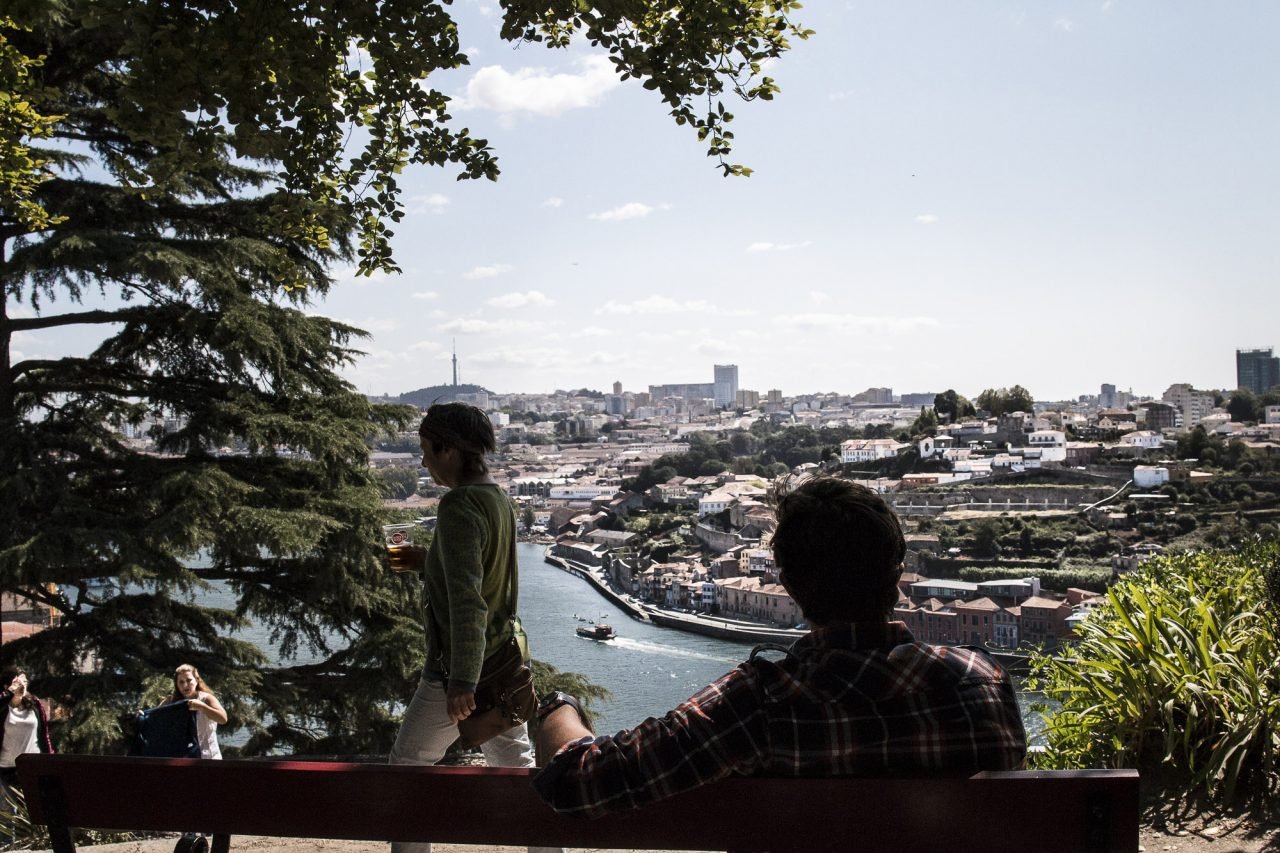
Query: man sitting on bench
(857, 695)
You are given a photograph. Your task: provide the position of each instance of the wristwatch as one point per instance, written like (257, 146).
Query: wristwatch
(551, 701)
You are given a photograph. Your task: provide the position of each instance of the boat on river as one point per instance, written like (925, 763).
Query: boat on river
(600, 632)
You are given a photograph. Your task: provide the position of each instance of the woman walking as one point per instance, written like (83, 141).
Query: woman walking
(470, 588)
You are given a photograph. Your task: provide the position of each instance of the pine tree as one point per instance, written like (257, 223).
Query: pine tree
(176, 179)
(200, 281)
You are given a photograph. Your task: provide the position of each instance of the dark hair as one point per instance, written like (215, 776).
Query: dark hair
(29, 699)
(839, 550)
(463, 427)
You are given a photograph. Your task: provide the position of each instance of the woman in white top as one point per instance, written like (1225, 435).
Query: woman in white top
(188, 685)
(26, 725)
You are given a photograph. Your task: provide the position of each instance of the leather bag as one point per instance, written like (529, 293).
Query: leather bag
(504, 696)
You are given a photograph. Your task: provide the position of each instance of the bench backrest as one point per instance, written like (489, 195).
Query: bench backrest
(1086, 810)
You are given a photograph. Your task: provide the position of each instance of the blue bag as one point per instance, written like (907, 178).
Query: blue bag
(167, 732)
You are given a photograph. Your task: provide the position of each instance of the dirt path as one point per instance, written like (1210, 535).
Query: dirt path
(1219, 837)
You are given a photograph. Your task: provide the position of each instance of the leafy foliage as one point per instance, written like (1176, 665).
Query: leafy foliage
(1005, 400)
(337, 94)
(249, 474)
(176, 180)
(952, 406)
(547, 678)
(1181, 668)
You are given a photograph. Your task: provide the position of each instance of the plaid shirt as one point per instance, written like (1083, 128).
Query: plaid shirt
(847, 700)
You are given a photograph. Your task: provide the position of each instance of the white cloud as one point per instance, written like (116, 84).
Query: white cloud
(856, 322)
(477, 326)
(714, 346)
(489, 271)
(630, 210)
(375, 324)
(594, 332)
(927, 218)
(433, 203)
(538, 91)
(777, 247)
(653, 305)
(520, 300)
(819, 297)
(1065, 25)
(842, 95)
(426, 346)
(425, 295)
(554, 201)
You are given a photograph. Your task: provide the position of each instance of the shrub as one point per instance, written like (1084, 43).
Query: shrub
(1180, 668)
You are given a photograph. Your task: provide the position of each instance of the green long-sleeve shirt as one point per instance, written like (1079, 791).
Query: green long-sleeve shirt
(470, 583)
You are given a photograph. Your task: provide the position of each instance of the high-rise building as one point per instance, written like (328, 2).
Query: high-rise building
(1257, 370)
(1107, 399)
(617, 387)
(726, 385)
(1193, 404)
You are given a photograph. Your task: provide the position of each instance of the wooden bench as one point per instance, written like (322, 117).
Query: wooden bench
(1086, 810)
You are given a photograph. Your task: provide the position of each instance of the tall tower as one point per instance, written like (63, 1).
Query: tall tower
(1257, 370)
(726, 385)
(455, 362)
(617, 388)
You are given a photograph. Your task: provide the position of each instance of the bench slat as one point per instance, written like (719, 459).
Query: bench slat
(1017, 811)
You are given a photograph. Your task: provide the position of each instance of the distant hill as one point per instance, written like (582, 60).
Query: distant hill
(424, 397)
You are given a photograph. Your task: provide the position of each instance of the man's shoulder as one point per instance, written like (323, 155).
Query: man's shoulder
(967, 661)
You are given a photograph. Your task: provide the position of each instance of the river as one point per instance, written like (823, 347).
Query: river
(649, 670)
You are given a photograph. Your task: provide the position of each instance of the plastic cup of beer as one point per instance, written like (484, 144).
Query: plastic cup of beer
(402, 554)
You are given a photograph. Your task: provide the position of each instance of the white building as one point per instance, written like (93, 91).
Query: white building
(1194, 405)
(1143, 438)
(1147, 476)
(869, 449)
(1051, 443)
(717, 501)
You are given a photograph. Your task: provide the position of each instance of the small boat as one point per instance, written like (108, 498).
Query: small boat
(597, 632)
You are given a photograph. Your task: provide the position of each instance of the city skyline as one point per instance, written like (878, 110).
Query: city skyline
(943, 197)
(1107, 395)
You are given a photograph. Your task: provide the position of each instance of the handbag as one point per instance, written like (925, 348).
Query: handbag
(505, 696)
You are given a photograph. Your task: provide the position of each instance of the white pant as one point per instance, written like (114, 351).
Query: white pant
(426, 732)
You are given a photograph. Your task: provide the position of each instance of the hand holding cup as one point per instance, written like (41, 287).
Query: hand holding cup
(402, 554)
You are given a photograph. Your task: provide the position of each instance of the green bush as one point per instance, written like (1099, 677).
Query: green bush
(1180, 670)
(1075, 573)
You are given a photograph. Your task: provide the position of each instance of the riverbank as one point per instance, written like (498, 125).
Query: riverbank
(721, 628)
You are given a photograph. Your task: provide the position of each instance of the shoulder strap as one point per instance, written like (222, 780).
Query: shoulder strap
(770, 647)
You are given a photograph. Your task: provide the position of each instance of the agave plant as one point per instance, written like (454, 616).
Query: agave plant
(1180, 668)
(17, 832)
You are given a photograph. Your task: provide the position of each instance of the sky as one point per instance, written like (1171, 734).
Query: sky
(946, 195)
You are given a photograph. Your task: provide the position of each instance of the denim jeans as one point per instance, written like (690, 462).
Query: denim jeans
(426, 732)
